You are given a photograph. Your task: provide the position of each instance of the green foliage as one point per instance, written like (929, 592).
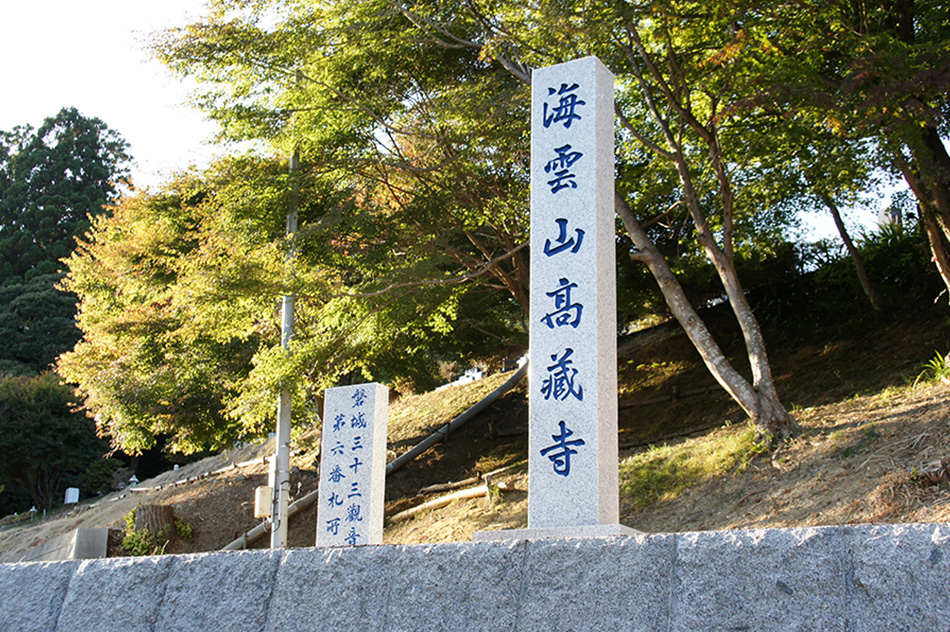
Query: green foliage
(425, 144)
(663, 472)
(937, 369)
(183, 529)
(872, 77)
(37, 324)
(897, 257)
(179, 294)
(51, 180)
(173, 290)
(138, 542)
(43, 437)
(430, 136)
(98, 476)
(814, 290)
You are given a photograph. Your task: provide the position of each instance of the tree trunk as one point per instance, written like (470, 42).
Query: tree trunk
(869, 290)
(770, 416)
(159, 520)
(929, 175)
(760, 399)
(935, 235)
(933, 166)
(42, 486)
(762, 405)
(938, 252)
(33, 487)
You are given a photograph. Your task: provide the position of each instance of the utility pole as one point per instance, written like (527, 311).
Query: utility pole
(281, 483)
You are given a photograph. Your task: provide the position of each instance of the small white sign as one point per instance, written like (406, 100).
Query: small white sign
(353, 465)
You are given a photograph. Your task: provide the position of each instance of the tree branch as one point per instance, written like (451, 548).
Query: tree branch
(424, 282)
(365, 109)
(625, 122)
(680, 109)
(648, 97)
(426, 25)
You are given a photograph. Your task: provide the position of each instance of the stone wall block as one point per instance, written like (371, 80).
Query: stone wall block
(31, 595)
(219, 591)
(121, 594)
(460, 586)
(762, 580)
(598, 584)
(331, 589)
(900, 577)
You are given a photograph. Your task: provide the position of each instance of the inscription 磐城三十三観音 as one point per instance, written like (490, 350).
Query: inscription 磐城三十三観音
(352, 471)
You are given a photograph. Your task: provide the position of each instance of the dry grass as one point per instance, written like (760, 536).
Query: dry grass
(864, 431)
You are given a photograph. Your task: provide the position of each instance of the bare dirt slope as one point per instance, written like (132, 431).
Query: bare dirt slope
(853, 463)
(866, 430)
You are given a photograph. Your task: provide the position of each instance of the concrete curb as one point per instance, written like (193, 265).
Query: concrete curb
(852, 578)
(80, 544)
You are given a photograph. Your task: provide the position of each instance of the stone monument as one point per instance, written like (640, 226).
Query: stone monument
(353, 465)
(572, 463)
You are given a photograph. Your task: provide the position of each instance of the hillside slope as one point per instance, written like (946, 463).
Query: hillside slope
(866, 432)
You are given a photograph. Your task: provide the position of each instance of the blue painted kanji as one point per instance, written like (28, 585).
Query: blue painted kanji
(562, 243)
(565, 312)
(560, 167)
(560, 453)
(564, 111)
(559, 383)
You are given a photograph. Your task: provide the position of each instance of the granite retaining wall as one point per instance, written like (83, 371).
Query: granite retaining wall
(854, 578)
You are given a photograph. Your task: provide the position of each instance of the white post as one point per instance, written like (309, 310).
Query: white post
(353, 465)
(573, 334)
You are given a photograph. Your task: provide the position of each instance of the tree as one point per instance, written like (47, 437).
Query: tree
(391, 89)
(51, 179)
(874, 73)
(43, 435)
(896, 78)
(688, 84)
(167, 336)
(450, 190)
(179, 299)
(37, 323)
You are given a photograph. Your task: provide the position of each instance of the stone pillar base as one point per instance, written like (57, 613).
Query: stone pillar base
(589, 531)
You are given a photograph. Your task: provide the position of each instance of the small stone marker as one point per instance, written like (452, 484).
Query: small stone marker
(72, 495)
(353, 465)
(572, 401)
